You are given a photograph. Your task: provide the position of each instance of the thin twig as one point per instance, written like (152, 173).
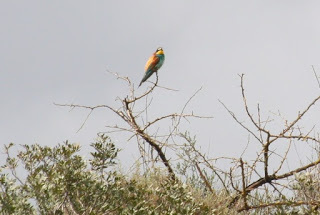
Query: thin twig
(244, 192)
(315, 74)
(240, 123)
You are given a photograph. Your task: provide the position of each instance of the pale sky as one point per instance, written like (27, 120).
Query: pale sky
(59, 51)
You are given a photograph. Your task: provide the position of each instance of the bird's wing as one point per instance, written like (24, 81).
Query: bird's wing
(151, 63)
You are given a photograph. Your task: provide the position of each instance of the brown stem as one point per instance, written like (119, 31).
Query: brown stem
(148, 139)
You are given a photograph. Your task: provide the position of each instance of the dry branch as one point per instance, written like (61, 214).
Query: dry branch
(270, 138)
(126, 113)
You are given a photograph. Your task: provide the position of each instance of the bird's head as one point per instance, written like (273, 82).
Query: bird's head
(159, 51)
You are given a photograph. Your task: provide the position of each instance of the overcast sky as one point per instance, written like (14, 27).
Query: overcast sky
(59, 51)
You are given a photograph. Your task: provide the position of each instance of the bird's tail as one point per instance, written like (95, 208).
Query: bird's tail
(146, 76)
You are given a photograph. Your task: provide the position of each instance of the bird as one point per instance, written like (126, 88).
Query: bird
(153, 64)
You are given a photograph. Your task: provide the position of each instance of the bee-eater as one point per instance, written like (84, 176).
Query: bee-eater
(153, 64)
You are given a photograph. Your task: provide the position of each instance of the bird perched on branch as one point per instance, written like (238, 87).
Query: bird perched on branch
(153, 64)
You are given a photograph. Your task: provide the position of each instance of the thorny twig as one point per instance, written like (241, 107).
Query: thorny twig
(126, 113)
(272, 178)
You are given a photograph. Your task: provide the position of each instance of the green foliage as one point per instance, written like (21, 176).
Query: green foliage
(13, 198)
(186, 167)
(105, 153)
(158, 195)
(59, 181)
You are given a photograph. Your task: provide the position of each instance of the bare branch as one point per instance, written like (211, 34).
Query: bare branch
(240, 123)
(297, 119)
(244, 192)
(315, 74)
(288, 203)
(204, 178)
(146, 93)
(247, 108)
